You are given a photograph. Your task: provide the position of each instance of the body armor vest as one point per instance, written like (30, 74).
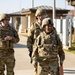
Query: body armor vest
(48, 46)
(8, 31)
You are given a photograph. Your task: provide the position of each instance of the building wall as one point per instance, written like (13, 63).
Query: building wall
(24, 23)
(27, 22)
(31, 19)
(12, 20)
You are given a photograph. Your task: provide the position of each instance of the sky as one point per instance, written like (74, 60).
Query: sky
(9, 6)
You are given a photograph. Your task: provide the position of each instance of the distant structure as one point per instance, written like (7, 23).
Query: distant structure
(72, 3)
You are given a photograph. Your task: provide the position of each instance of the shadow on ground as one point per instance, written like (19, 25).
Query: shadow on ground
(72, 48)
(19, 46)
(68, 71)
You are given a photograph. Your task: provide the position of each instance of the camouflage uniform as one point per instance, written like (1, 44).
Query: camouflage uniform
(47, 48)
(35, 30)
(6, 49)
(32, 34)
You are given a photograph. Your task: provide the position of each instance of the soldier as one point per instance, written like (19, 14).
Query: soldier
(46, 49)
(8, 37)
(35, 29)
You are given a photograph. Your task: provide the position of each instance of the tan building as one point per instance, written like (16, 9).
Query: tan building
(27, 16)
(15, 18)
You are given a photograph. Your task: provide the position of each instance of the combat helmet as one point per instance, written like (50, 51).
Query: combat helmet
(4, 16)
(47, 21)
(40, 11)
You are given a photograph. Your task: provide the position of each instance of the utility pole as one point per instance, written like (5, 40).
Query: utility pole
(54, 12)
(20, 5)
(65, 4)
(32, 3)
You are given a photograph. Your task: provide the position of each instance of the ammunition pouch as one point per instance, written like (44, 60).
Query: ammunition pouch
(6, 45)
(47, 52)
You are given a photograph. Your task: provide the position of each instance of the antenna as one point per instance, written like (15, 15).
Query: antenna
(20, 5)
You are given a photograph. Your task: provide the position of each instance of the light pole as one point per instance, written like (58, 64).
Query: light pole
(54, 12)
(20, 5)
(32, 3)
(65, 4)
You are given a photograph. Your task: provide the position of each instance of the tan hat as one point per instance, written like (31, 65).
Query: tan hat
(46, 21)
(40, 11)
(4, 16)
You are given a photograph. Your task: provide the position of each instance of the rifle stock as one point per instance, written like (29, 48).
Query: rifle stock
(61, 70)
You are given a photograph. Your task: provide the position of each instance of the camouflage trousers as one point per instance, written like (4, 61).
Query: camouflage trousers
(48, 68)
(35, 71)
(7, 62)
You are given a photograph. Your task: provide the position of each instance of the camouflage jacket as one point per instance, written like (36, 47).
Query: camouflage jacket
(48, 46)
(8, 31)
(33, 32)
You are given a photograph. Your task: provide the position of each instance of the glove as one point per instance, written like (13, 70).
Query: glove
(61, 62)
(30, 54)
(31, 60)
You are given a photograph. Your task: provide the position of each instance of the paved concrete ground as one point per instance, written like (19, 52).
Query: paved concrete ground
(69, 64)
(23, 66)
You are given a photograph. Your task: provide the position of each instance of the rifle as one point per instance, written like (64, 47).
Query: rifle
(61, 70)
